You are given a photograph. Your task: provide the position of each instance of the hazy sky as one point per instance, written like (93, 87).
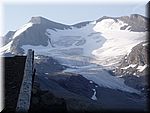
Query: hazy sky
(15, 15)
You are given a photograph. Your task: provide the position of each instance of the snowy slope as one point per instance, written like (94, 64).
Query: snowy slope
(118, 42)
(68, 39)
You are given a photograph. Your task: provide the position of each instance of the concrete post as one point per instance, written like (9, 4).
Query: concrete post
(23, 102)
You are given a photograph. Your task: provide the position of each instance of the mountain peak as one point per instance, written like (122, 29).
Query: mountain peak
(38, 20)
(136, 15)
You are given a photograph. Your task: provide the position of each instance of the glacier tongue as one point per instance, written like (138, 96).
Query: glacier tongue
(101, 77)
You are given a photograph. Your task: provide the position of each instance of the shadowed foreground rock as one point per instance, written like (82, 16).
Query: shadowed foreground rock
(13, 74)
(45, 101)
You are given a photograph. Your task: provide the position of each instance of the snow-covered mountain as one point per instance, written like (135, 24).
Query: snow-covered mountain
(106, 40)
(87, 50)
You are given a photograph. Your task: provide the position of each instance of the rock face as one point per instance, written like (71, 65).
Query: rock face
(35, 34)
(135, 63)
(74, 83)
(137, 22)
(45, 64)
(134, 66)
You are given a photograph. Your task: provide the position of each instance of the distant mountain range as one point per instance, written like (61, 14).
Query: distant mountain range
(97, 63)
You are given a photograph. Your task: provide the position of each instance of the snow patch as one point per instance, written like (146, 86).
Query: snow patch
(145, 44)
(91, 81)
(94, 95)
(36, 57)
(131, 65)
(141, 68)
(120, 76)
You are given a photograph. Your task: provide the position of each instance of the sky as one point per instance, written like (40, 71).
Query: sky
(16, 15)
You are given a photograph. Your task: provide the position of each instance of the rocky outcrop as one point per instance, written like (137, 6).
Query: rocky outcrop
(134, 67)
(137, 22)
(136, 62)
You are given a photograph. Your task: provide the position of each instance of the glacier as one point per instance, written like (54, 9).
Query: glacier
(88, 50)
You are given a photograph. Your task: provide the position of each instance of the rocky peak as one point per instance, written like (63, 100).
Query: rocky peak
(39, 20)
(136, 21)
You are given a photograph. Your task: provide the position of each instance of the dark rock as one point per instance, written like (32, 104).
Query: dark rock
(45, 101)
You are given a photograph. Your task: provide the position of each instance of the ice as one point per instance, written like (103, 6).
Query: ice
(103, 78)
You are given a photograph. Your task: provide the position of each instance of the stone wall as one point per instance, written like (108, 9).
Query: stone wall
(24, 98)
